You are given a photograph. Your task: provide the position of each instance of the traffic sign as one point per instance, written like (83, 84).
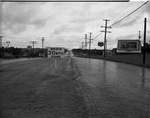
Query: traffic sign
(56, 52)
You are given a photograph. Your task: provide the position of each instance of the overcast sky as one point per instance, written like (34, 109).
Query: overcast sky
(65, 24)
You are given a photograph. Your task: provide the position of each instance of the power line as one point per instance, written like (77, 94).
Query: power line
(101, 32)
(130, 13)
(97, 36)
(124, 17)
(120, 13)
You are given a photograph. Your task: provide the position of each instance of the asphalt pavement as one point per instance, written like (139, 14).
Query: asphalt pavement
(73, 88)
(114, 90)
(40, 88)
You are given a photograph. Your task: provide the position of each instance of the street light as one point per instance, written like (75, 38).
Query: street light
(8, 42)
(43, 45)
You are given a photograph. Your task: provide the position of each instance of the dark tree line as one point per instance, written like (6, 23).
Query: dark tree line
(20, 52)
(10, 52)
(85, 52)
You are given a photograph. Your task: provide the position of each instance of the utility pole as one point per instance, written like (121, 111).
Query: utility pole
(144, 41)
(85, 41)
(105, 40)
(82, 45)
(43, 45)
(139, 35)
(140, 38)
(43, 42)
(90, 45)
(33, 42)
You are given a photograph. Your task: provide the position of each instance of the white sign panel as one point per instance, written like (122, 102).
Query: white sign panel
(56, 52)
(129, 46)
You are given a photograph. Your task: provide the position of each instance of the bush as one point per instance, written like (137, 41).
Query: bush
(8, 56)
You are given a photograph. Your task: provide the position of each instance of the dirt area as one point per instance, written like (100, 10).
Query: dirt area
(41, 88)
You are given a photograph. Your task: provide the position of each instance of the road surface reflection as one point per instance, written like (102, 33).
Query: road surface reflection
(113, 89)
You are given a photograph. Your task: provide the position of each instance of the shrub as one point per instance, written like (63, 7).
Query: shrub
(8, 56)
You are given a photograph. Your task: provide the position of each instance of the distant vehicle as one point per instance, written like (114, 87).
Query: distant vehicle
(129, 46)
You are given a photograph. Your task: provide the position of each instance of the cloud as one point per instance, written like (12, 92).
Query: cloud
(147, 9)
(129, 22)
(68, 22)
(137, 16)
(17, 17)
(126, 37)
(71, 28)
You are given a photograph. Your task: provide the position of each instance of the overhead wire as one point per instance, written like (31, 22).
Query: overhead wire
(121, 12)
(129, 13)
(97, 36)
(124, 17)
(101, 32)
(113, 10)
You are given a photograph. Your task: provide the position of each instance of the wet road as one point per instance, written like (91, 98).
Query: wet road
(114, 90)
(40, 88)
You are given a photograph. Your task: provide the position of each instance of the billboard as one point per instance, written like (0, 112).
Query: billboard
(129, 46)
(55, 52)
